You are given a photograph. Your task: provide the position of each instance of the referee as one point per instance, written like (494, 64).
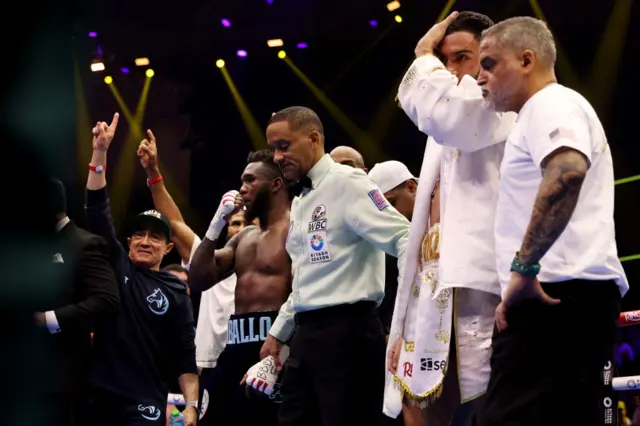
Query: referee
(340, 226)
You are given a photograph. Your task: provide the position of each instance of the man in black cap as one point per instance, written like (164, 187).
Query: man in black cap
(88, 293)
(151, 342)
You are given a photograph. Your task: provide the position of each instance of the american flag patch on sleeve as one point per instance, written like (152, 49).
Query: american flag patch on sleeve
(378, 199)
(562, 133)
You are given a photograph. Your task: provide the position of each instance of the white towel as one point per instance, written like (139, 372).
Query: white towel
(216, 306)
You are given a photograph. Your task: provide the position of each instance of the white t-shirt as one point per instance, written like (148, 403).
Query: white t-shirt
(557, 117)
(216, 306)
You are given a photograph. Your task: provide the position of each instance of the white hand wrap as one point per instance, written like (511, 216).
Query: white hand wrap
(227, 205)
(262, 376)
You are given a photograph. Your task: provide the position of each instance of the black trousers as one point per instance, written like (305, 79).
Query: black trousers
(546, 366)
(229, 403)
(335, 372)
(63, 409)
(210, 381)
(108, 409)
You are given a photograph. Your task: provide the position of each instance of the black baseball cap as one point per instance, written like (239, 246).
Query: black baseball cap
(151, 219)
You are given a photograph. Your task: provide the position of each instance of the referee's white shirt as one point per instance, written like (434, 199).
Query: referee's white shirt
(338, 232)
(558, 117)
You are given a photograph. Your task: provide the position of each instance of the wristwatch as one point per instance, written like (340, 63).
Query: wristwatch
(193, 404)
(526, 269)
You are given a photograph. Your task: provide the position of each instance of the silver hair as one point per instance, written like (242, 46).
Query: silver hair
(522, 33)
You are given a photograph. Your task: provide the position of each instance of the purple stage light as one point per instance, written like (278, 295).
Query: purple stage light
(242, 53)
(269, 1)
(373, 23)
(93, 34)
(302, 45)
(226, 23)
(124, 70)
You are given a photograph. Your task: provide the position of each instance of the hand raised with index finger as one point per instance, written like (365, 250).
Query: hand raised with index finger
(148, 152)
(103, 133)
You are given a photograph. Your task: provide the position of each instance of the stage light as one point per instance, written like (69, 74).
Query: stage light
(226, 22)
(242, 53)
(393, 5)
(150, 73)
(269, 1)
(93, 34)
(141, 62)
(97, 66)
(108, 79)
(373, 23)
(398, 19)
(219, 63)
(276, 42)
(282, 54)
(302, 45)
(124, 70)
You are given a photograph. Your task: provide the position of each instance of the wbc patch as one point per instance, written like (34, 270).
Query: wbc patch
(318, 219)
(378, 199)
(320, 212)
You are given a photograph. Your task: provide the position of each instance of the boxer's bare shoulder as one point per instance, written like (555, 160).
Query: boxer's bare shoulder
(263, 269)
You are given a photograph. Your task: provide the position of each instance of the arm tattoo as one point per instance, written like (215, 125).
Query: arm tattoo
(562, 175)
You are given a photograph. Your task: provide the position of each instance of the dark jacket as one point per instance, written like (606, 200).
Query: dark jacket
(151, 342)
(87, 294)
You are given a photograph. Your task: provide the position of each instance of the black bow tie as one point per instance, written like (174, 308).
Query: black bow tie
(306, 182)
(301, 185)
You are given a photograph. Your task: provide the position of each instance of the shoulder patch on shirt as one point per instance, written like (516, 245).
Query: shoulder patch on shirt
(561, 133)
(378, 199)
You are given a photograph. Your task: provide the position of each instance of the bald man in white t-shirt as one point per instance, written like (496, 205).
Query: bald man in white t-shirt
(555, 241)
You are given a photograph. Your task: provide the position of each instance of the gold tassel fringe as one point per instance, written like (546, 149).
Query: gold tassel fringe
(422, 400)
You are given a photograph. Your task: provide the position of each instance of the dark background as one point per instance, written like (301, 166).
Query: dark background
(51, 100)
(202, 139)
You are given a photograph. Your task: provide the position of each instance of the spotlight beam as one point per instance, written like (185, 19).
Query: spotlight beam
(362, 140)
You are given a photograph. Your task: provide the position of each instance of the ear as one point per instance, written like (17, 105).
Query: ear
(129, 243)
(314, 137)
(528, 61)
(168, 249)
(276, 184)
(412, 186)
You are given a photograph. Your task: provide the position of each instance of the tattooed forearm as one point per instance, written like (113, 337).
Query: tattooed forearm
(562, 179)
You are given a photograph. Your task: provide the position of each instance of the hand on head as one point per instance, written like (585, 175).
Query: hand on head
(434, 36)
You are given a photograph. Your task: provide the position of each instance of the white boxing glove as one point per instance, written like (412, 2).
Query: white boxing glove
(262, 376)
(227, 205)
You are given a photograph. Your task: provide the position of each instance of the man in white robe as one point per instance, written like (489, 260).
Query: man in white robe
(446, 362)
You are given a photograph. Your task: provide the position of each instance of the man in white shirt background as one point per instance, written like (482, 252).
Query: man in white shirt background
(555, 240)
(460, 171)
(340, 226)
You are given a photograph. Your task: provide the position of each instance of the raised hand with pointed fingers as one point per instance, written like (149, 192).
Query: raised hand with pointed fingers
(103, 133)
